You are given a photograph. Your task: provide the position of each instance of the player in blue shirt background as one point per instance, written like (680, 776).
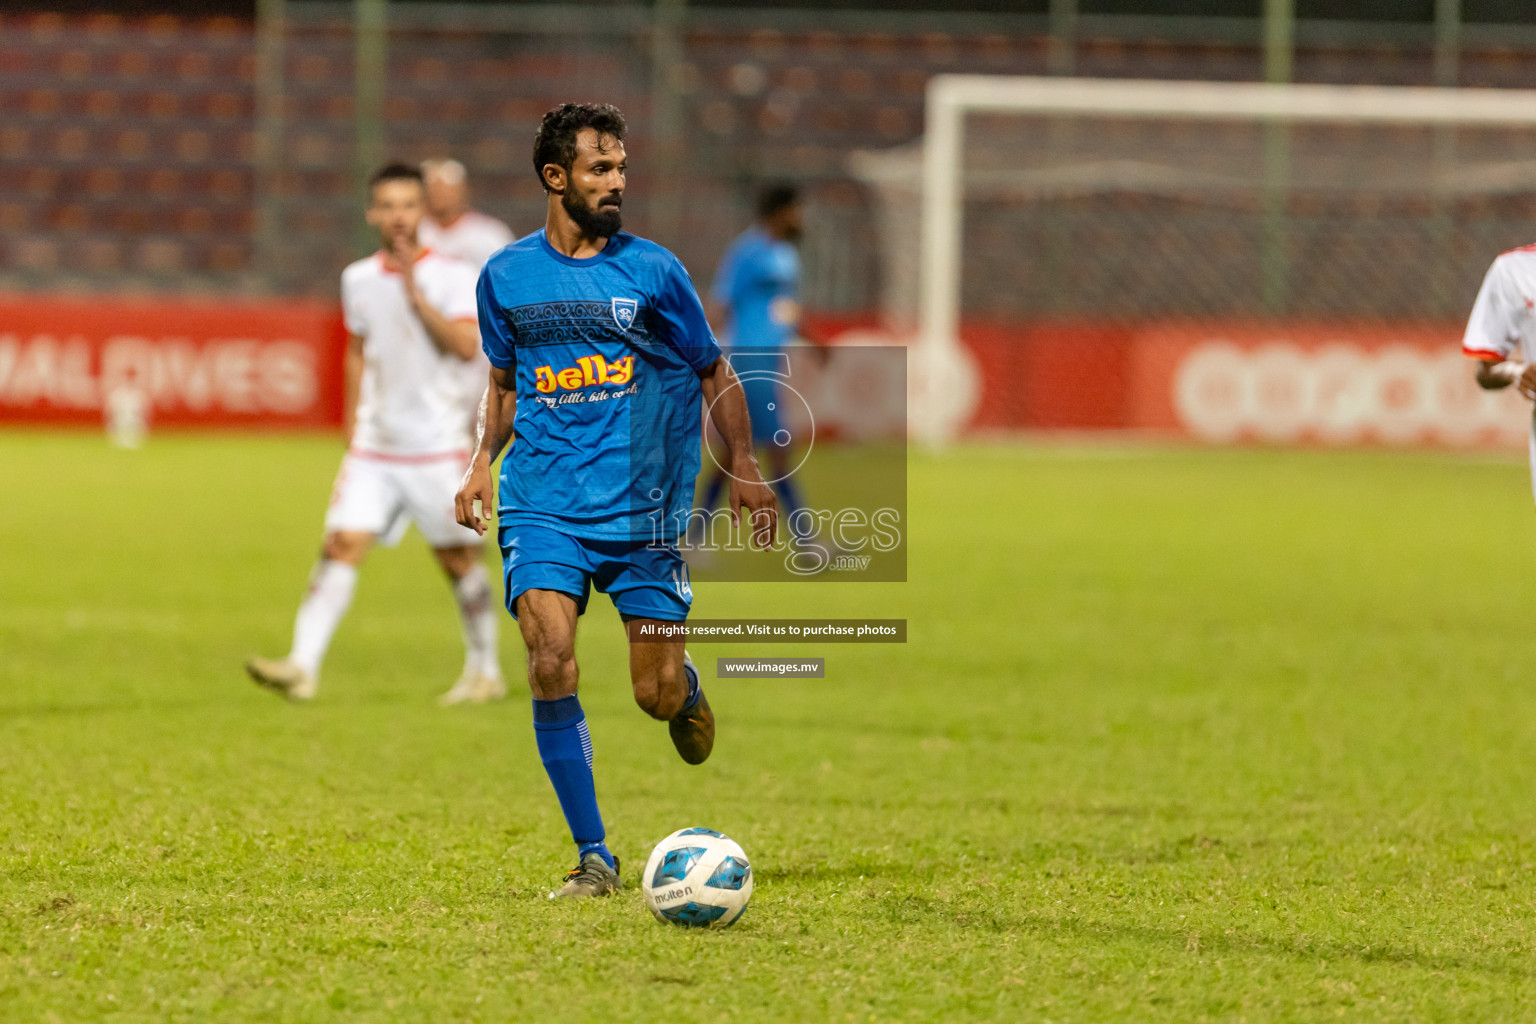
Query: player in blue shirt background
(600, 356)
(757, 291)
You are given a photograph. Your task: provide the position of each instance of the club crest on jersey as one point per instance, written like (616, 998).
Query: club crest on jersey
(624, 311)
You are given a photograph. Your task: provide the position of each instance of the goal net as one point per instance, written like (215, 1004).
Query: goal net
(1227, 260)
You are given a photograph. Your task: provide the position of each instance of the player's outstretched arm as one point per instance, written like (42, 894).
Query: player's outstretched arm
(727, 405)
(498, 409)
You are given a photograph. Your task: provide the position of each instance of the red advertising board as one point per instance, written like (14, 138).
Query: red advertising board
(279, 365)
(1224, 382)
(199, 364)
(1317, 384)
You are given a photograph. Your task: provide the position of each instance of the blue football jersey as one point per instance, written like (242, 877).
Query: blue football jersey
(606, 352)
(759, 283)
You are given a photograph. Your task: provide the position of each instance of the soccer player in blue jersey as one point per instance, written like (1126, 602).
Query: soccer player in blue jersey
(757, 289)
(600, 355)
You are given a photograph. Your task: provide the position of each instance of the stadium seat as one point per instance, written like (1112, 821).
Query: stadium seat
(15, 144)
(72, 144)
(192, 147)
(100, 255)
(43, 102)
(15, 217)
(104, 182)
(160, 255)
(35, 253)
(193, 66)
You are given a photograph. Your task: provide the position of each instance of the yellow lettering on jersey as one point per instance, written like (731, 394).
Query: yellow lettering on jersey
(589, 371)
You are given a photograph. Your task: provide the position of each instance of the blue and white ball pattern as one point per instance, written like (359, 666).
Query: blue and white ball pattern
(697, 878)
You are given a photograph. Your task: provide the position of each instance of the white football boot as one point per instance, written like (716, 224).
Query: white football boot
(284, 677)
(474, 688)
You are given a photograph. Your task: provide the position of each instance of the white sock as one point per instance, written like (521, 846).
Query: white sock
(477, 609)
(328, 598)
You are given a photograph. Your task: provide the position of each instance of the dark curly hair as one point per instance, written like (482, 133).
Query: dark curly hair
(556, 141)
(776, 197)
(396, 171)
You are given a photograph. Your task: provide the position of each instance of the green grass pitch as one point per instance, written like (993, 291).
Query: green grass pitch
(1178, 735)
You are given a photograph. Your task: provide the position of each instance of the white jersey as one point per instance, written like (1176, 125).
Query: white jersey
(410, 400)
(1503, 321)
(473, 238)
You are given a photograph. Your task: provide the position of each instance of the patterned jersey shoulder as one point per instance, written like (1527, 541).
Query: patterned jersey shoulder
(652, 255)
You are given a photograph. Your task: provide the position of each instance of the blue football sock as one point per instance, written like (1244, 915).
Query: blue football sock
(694, 690)
(565, 747)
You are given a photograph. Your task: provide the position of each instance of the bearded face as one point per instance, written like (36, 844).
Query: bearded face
(602, 219)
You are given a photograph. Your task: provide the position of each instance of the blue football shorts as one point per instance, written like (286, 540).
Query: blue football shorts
(642, 580)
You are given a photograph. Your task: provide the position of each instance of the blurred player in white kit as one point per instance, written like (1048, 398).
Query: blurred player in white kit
(1501, 333)
(453, 229)
(411, 329)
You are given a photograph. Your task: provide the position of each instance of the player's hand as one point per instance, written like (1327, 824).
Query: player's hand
(404, 253)
(748, 490)
(477, 486)
(1526, 385)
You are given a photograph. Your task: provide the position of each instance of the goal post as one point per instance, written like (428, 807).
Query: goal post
(1273, 111)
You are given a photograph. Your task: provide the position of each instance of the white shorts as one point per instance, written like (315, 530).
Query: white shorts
(384, 494)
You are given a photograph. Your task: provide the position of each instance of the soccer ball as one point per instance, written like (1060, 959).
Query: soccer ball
(697, 878)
